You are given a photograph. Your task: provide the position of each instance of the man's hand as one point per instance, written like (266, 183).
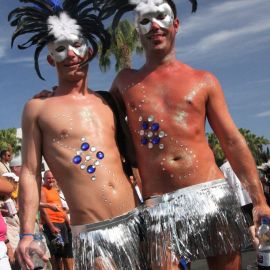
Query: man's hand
(54, 207)
(260, 211)
(22, 254)
(45, 93)
(54, 229)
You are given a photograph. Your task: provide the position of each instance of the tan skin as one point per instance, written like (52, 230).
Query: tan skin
(6, 186)
(181, 98)
(73, 112)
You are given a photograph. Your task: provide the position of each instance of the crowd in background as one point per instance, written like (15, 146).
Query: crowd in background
(52, 220)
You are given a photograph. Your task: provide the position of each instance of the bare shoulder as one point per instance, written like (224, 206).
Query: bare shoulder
(122, 75)
(123, 78)
(207, 79)
(200, 74)
(32, 108)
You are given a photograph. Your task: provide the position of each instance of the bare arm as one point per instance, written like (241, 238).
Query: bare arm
(234, 145)
(51, 206)
(30, 178)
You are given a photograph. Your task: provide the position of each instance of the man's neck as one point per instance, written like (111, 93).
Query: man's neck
(72, 87)
(157, 59)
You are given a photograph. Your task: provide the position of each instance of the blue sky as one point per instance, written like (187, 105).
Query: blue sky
(229, 38)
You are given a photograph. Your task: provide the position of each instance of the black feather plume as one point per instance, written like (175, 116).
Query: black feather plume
(32, 19)
(194, 5)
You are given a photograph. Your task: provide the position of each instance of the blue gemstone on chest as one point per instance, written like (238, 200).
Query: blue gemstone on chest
(85, 146)
(144, 141)
(100, 155)
(91, 169)
(150, 132)
(155, 127)
(77, 159)
(155, 140)
(144, 125)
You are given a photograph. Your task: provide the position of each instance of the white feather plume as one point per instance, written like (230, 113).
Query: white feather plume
(63, 27)
(146, 6)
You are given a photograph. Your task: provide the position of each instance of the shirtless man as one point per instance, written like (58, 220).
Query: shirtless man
(75, 131)
(189, 208)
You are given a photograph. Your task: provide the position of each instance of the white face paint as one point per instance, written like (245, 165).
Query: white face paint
(161, 15)
(59, 49)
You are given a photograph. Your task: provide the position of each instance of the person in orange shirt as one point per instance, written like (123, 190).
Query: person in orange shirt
(56, 225)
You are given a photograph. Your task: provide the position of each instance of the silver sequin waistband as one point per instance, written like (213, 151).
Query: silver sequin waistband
(156, 199)
(103, 224)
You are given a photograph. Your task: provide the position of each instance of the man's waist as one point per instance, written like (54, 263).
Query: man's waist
(156, 196)
(106, 223)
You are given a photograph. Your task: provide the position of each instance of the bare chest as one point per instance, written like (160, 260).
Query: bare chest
(73, 121)
(170, 104)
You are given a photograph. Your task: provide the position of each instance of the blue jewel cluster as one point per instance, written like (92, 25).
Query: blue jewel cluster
(83, 157)
(151, 134)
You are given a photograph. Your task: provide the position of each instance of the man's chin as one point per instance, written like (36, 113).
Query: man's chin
(75, 75)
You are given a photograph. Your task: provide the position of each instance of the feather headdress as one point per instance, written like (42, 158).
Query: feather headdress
(49, 20)
(120, 7)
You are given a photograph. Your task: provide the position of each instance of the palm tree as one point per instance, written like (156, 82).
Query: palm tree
(9, 141)
(255, 143)
(216, 148)
(126, 42)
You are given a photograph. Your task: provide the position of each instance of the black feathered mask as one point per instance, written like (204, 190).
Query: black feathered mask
(50, 20)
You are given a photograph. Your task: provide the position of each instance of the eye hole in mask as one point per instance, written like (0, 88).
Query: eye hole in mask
(145, 18)
(59, 51)
(76, 44)
(159, 17)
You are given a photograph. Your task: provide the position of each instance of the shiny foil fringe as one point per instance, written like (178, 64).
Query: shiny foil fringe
(195, 222)
(109, 245)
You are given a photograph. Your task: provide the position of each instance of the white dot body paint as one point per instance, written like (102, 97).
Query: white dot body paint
(189, 98)
(180, 118)
(188, 158)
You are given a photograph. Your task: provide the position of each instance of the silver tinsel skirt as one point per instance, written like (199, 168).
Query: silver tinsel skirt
(195, 222)
(113, 244)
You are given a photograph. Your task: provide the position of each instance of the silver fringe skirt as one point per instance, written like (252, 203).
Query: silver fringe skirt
(195, 222)
(113, 244)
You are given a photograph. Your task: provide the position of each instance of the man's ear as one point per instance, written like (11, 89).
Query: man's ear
(176, 24)
(50, 60)
(90, 52)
